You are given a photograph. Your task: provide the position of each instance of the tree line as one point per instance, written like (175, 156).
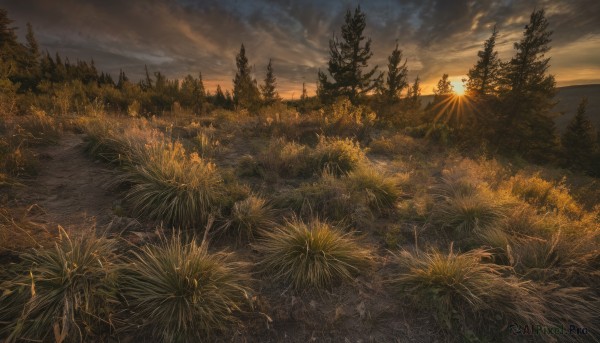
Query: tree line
(508, 105)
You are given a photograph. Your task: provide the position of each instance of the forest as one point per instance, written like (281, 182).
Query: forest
(157, 210)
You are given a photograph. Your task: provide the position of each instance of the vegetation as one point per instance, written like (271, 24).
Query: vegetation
(311, 255)
(179, 292)
(310, 193)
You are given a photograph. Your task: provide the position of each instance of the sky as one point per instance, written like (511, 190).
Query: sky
(180, 37)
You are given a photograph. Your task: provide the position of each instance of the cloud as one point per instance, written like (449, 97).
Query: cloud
(181, 37)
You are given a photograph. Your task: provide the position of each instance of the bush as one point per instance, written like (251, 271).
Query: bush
(248, 218)
(179, 292)
(69, 291)
(312, 255)
(540, 192)
(339, 155)
(168, 185)
(378, 191)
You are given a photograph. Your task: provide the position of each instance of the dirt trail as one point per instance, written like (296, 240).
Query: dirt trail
(70, 189)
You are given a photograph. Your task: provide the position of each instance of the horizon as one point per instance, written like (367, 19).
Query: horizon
(186, 37)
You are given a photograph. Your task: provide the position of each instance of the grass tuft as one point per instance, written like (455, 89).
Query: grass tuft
(249, 217)
(311, 255)
(178, 292)
(379, 191)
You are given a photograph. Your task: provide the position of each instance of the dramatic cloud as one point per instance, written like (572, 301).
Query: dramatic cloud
(181, 37)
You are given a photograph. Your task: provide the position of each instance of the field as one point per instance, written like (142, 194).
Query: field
(284, 227)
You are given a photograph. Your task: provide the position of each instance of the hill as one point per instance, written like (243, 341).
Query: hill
(568, 100)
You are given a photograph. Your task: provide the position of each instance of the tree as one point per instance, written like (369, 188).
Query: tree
(192, 93)
(444, 87)
(396, 76)
(220, 100)
(348, 60)
(579, 141)
(483, 77)
(413, 98)
(245, 90)
(304, 94)
(527, 93)
(268, 91)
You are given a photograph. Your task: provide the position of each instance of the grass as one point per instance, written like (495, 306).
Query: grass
(67, 293)
(42, 129)
(249, 218)
(168, 185)
(311, 255)
(540, 192)
(461, 289)
(287, 159)
(465, 214)
(338, 155)
(378, 190)
(179, 292)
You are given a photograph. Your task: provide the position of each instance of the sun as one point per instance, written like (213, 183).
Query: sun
(458, 87)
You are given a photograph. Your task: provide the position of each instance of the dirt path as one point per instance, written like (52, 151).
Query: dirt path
(70, 189)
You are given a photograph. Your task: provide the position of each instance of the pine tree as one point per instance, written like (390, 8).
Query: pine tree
(123, 79)
(192, 94)
(396, 76)
(413, 98)
(245, 90)
(268, 91)
(304, 94)
(484, 76)
(147, 83)
(220, 100)
(526, 125)
(444, 87)
(347, 60)
(579, 141)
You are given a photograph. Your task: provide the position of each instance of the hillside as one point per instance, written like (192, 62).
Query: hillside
(568, 100)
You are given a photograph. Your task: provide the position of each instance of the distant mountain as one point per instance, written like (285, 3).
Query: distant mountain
(568, 99)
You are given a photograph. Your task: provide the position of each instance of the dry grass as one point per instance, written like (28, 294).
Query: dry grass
(379, 191)
(311, 255)
(249, 218)
(67, 294)
(168, 185)
(179, 292)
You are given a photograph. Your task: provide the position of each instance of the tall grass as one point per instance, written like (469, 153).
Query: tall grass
(467, 213)
(168, 185)
(179, 292)
(540, 192)
(311, 255)
(67, 294)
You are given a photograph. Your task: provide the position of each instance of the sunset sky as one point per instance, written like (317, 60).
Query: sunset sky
(181, 37)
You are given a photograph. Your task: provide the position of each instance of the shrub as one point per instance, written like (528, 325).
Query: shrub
(43, 129)
(339, 155)
(179, 292)
(378, 190)
(168, 185)
(248, 218)
(68, 291)
(538, 191)
(312, 255)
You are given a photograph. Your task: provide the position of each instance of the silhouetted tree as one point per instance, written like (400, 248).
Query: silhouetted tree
(579, 141)
(348, 59)
(413, 98)
(192, 94)
(526, 125)
(396, 75)
(444, 87)
(269, 93)
(245, 90)
(484, 76)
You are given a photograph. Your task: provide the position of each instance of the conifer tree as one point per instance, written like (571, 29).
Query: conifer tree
(579, 141)
(192, 94)
(268, 90)
(348, 62)
(526, 125)
(304, 94)
(484, 76)
(245, 90)
(413, 97)
(444, 87)
(220, 100)
(396, 76)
